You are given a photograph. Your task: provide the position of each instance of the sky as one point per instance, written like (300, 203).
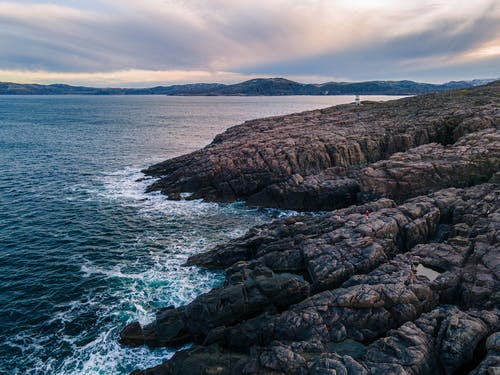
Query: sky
(142, 43)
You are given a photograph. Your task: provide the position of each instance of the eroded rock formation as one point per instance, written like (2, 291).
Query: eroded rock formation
(362, 285)
(473, 159)
(311, 160)
(405, 280)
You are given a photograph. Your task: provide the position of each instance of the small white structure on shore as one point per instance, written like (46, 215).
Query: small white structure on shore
(356, 100)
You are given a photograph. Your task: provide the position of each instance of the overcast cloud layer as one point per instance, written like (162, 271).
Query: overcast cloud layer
(147, 42)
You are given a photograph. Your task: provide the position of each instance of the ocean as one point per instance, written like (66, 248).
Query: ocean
(83, 250)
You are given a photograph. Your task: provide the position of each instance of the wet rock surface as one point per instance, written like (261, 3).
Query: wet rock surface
(222, 306)
(405, 280)
(355, 296)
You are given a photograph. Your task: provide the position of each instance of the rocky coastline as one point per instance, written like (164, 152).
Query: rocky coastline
(398, 272)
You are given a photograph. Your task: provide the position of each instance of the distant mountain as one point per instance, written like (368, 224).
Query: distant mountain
(253, 87)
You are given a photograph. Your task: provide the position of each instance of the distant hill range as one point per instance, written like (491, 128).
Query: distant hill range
(260, 86)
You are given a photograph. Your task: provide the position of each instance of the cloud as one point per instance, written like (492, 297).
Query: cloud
(194, 38)
(133, 77)
(437, 46)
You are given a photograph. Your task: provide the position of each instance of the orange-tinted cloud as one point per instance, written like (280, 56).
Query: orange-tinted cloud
(172, 40)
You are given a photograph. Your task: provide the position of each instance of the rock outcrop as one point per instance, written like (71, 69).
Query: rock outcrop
(222, 306)
(310, 160)
(442, 341)
(368, 294)
(473, 159)
(401, 275)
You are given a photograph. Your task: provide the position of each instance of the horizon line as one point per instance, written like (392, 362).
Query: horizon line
(55, 83)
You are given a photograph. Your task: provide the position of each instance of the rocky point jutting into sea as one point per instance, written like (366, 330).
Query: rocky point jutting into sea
(399, 275)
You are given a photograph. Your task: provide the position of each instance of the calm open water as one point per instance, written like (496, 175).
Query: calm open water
(83, 250)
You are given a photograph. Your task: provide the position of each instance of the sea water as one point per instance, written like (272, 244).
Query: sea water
(83, 250)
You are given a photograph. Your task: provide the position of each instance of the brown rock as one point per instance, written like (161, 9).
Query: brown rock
(308, 160)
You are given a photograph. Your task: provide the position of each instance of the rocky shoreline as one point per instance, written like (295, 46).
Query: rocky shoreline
(400, 276)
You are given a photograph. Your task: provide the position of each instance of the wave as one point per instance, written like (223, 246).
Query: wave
(131, 284)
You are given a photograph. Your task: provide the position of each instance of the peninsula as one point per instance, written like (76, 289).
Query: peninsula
(398, 272)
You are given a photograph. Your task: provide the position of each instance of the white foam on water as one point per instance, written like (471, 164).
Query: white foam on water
(139, 291)
(132, 293)
(129, 186)
(105, 355)
(166, 282)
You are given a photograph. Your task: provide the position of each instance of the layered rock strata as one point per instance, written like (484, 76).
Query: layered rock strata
(438, 342)
(473, 159)
(365, 292)
(311, 160)
(401, 275)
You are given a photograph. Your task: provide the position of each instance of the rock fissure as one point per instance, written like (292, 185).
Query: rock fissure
(388, 129)
(400, 276)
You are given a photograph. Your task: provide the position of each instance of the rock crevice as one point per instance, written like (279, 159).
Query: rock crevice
(400, 271)
(311, 160)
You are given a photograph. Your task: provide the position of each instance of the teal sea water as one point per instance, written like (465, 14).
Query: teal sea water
(83, 250)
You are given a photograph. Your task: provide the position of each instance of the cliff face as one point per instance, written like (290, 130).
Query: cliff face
(312, 160)
(404, 279)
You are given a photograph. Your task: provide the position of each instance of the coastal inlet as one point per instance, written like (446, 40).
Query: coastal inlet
(83, 249)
